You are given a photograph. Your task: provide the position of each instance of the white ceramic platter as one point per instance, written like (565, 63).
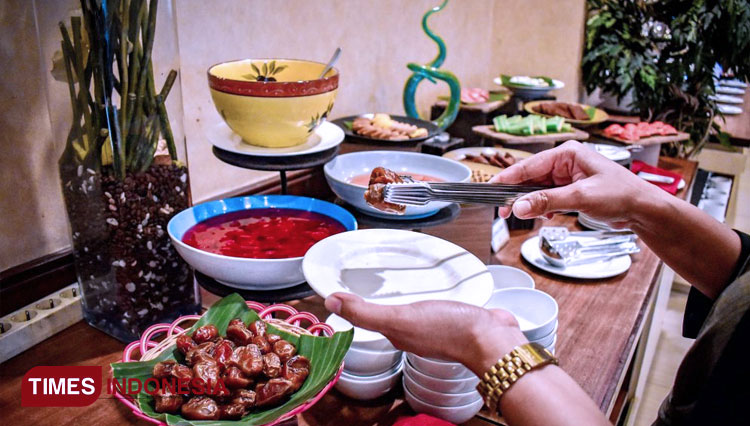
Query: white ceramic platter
(729, 109)
(603, 269)
(325, 136)
(728, 90)
(393, 267)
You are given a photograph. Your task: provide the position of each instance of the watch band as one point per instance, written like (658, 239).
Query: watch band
(508, 369)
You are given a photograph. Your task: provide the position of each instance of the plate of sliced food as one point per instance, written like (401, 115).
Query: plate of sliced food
(572, 112)
(642, 133)
(380, 127)
(529, 87)
(486, 162)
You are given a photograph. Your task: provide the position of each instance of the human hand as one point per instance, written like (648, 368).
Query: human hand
(585, 181)
(453, 331)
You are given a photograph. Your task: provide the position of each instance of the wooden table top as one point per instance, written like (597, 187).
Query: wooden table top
(598, 328)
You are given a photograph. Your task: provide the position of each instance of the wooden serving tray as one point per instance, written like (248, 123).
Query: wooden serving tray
(653, 140)
(488, 131)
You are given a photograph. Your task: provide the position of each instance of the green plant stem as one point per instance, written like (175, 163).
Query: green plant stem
(122, 61)
(148, 44)
(162, 111)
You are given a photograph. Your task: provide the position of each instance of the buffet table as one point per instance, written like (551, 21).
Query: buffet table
(604, 337)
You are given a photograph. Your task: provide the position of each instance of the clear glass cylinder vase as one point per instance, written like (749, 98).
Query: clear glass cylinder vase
(112, 69)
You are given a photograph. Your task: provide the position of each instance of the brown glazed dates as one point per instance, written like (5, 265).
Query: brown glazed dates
(271, 365)
(230, 375)
(238, 332)
(167, 402)
(284, 350)
(273, 392)
(200, 408)
(206, 333)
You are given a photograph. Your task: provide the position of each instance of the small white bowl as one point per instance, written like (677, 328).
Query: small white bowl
(548, 339)
(369, 387)
(363, 339)
(461, 385)
(509, 277)
(439, 398)
(364, 362)
(535, 310)
(438, 369)
(456, 414)
(342, 169)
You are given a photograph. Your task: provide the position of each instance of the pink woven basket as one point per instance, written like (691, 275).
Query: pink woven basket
(149, 348)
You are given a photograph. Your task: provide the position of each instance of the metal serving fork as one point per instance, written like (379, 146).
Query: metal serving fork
(421, 193)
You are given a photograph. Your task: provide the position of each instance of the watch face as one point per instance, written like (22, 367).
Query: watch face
(533, 354)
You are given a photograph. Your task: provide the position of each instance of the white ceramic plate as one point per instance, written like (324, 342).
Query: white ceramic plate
(612, 152)
(604, 269)
(729, 109)
(728, 90)
(325, 136)
(393, 267)
(557, 84)
(726, 99)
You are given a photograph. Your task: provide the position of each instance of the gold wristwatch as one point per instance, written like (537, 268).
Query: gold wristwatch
(508, 369)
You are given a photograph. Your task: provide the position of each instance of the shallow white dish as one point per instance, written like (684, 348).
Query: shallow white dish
(461, 385)
(439, 398)
(509, 277)
(363, 362)
(614, 153)
(547, 340)
(726, 99)
(535, 310)
(729, 109)
(531, 92)
(369, 387)
(438, 369)
(728, 90)
(454, 414)
(363, 339)
(602, 269)
(342, 169)
(394, 267)
(325, 136)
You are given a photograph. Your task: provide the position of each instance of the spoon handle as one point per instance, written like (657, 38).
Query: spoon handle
(331, 62)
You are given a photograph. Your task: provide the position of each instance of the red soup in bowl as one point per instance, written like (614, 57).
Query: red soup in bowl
(267, 233)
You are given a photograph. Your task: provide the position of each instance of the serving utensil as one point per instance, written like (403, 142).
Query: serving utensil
(568, 255)
(420, 193)
(651, 177)
(331, 62)
(561, 233)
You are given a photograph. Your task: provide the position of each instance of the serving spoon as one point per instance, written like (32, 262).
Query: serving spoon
(331, 62)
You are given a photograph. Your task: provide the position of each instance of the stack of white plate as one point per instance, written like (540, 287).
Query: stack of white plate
(594, 224)
(372, 365)
(535, 311)
(442, 389)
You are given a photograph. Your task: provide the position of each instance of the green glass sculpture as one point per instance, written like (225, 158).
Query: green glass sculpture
(431, 72)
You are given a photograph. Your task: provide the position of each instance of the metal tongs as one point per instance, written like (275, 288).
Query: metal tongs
(558, 250)
(420, 193)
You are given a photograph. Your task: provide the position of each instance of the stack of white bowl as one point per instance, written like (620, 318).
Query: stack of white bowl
(372, 366)
(446, 390)
(535, 311)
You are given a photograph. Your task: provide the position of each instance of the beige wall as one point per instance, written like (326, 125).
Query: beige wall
(484, 38)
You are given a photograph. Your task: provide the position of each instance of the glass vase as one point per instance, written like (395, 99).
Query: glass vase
(116, 108)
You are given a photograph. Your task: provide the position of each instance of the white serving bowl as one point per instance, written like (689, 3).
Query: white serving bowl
(548, 339)
(248, 273)
(454, 414)
(509, 277)
(363, 339)
(363, 362)
(343, 168)
(535, 310)
(369, 387)
(439, 399)
(461, 385)
(437, 368)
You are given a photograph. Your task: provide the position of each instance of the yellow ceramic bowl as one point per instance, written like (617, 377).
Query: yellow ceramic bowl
(274, 103)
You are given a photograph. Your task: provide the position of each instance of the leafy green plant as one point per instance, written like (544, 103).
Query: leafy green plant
(107, 51)
(670, 74)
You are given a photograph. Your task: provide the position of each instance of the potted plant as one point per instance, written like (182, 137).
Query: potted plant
(122, 170)
(663, 55)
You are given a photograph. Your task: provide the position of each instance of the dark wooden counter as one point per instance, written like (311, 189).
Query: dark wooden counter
(599, 324)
